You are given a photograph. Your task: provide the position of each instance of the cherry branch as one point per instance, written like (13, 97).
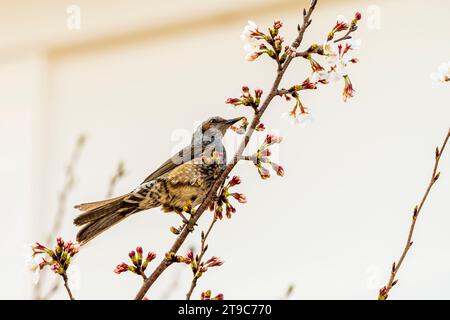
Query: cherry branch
(119, 174)
(203, 248)
(221, 180)
(60, 213)
(66, 285)
(384, 292)
(319, 49)
(57, 259)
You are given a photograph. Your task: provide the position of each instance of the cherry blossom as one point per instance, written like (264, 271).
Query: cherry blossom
(442, 74)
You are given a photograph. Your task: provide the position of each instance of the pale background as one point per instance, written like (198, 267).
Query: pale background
(138, 73)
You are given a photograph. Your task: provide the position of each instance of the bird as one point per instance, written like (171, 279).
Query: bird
(183, 180)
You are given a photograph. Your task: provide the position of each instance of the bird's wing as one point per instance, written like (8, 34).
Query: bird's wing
(172, 163)
(187, 174)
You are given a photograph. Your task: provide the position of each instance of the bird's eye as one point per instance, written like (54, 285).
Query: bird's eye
(213, 120)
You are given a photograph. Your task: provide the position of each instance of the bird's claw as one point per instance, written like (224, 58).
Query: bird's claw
(186, 221)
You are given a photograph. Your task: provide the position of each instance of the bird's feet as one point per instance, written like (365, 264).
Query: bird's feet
(189, 209)
(185, 220)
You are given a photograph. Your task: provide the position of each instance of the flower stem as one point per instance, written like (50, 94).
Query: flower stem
(200, 257)
(66, 285)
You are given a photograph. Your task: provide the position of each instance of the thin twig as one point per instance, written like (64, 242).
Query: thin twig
(251, 158)
(60, 213)
(347, 36)
(68, 187)
(221, 180)
(66, 285)
(396, 265)
(319, 49)
(120, 173)
(203, 248)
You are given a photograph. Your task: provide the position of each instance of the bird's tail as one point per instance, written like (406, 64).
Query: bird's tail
(100, 216)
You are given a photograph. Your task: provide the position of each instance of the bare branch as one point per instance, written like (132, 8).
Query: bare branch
(60, 213)
(203, 248)
(66, 285)
(120, 173)
(384, 292)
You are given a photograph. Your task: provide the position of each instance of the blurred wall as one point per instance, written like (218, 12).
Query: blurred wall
(136, 78)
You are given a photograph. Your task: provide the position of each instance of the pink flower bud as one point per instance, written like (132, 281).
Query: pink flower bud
(139, 250)
(151, 256)
(39, 246)
(271, 139)
(228, 213)
(132, 254)
(214, 262)
(358, 16)
(258, 93)
(74, 249)
(56, 268)
(383, 294)
(235, 181)
(245, 92)
(123, 267)
(206, 295)
(264, 173)
(233, 101)
(42, 264)
(260, 127)
(278, 24)
(230, 210)
(278, 40)
(239, 197)
(278, 169)
(349, 92)
(190, 255)
(60, 242)
(308, 85)
(266, 153)
(218, 212)
(219, 297)
(315, 66)
(341, 25)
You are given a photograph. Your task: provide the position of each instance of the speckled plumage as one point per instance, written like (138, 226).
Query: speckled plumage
(183, 180)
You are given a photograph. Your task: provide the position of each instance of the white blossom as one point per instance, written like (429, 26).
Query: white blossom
(321, 75)
(249, 31)
(298, 118)
(355, 44)
(338, 56)
(442, 75)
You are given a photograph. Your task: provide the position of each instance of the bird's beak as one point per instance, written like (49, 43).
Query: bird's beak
(233, 121)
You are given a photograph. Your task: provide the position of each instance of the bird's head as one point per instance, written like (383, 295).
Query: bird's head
(214, 129)
(218, 124)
